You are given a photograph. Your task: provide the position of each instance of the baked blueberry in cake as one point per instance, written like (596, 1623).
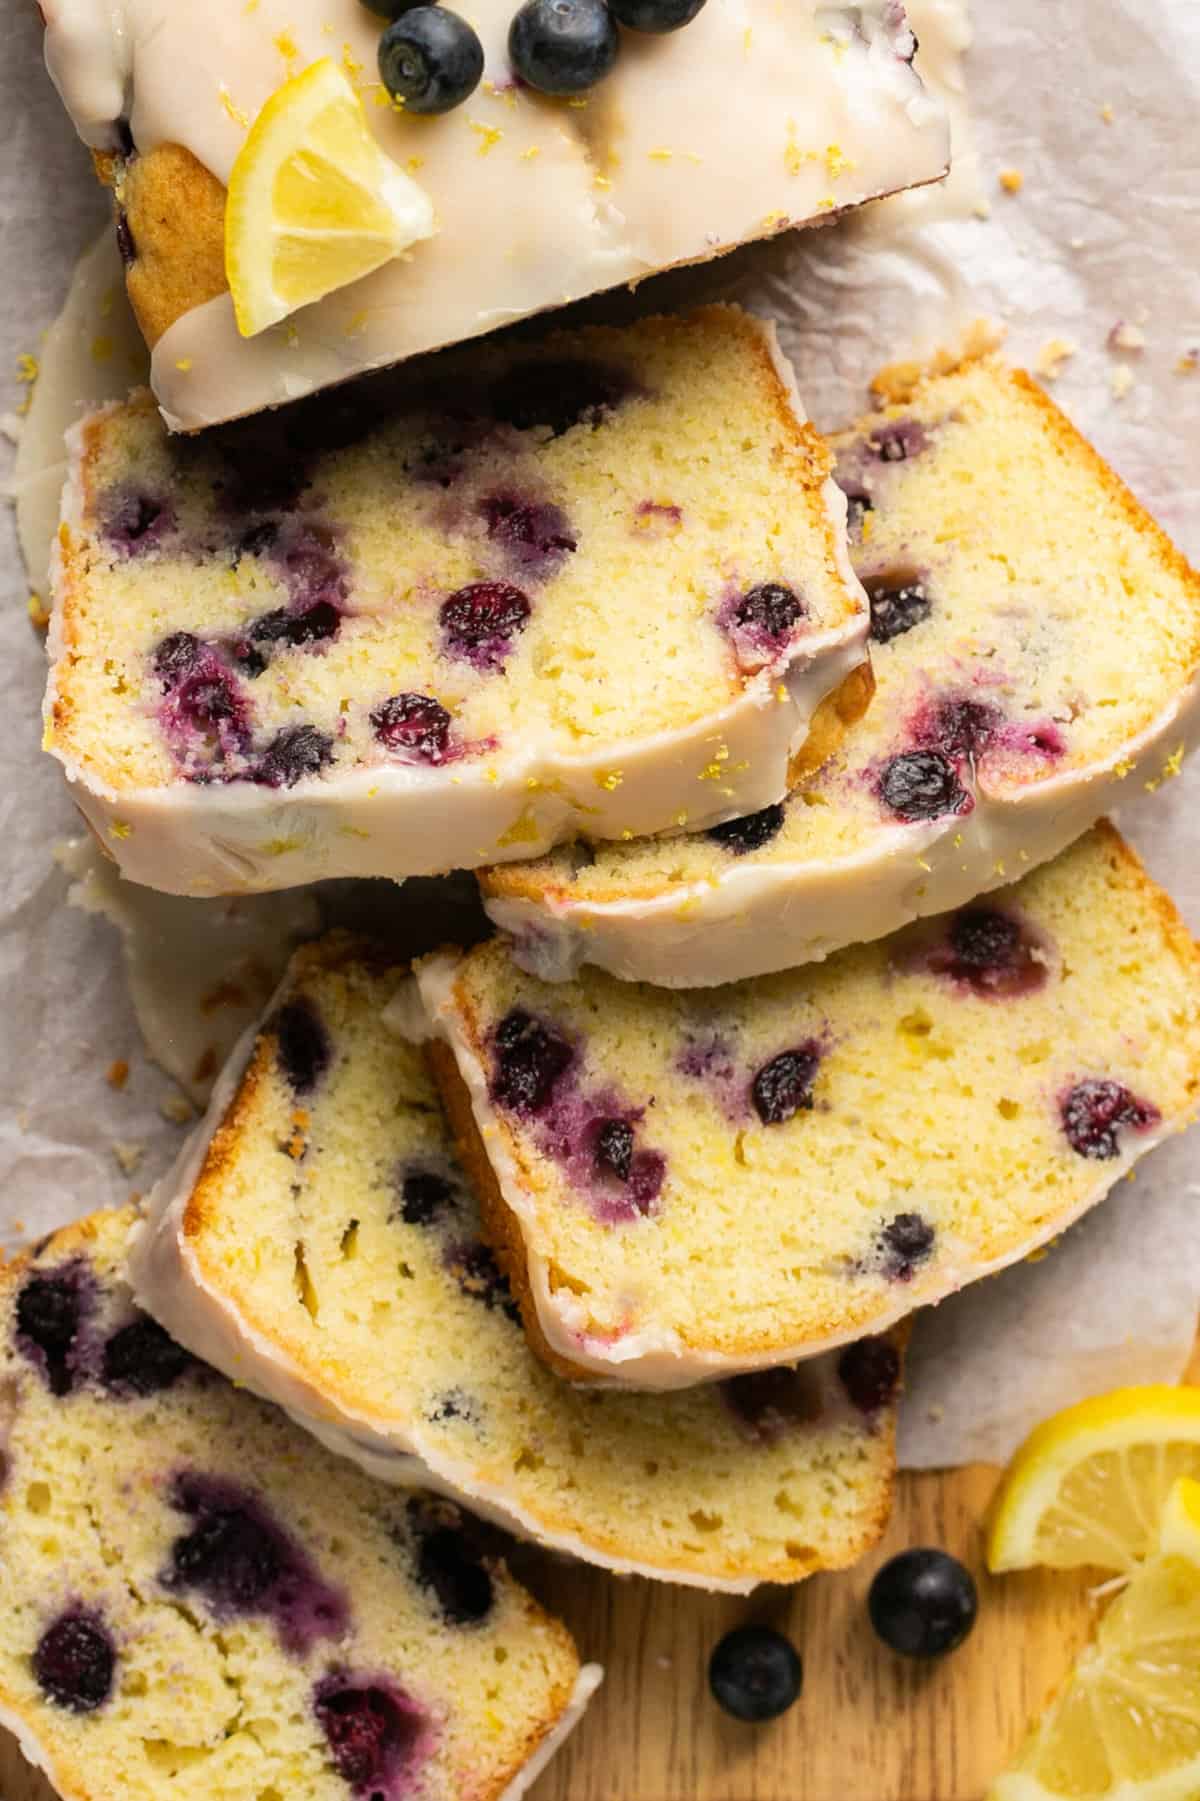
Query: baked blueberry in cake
(745, 123)
(198, 1600)
(324, 1246)
(830, 1147)
(1035, 643)
(457, 616)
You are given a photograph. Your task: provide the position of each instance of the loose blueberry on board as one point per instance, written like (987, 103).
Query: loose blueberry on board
(922, 784)
(390, 9)
(140, 1359)
(1095, 1112)
(904, 1242)
(783, 1087)
(413, 722)
(741, 836)
(530, 1059)
(50, 1313)
(450, 1565)
(74, 1661)
(869, 1371)
(430, 59)
(302, 1044)
(655, 15)
(755, 1673)
(375, 1731)
(562, 46)
(895, 610)
(923, 1603)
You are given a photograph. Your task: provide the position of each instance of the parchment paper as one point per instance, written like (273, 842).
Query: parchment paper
(1090, 112)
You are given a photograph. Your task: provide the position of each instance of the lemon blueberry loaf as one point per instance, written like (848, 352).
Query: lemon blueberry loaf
(1035, 645)
(683, 1184)
(456, 616)
(319, 1242)
(750, 120)
(197, 1599)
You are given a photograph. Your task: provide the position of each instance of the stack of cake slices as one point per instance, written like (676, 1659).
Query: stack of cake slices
(819, 988)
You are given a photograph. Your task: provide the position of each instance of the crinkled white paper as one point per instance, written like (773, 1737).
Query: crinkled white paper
(1088, 253)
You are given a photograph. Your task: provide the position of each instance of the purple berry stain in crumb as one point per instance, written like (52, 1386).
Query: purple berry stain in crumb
(624, 1180)
(906, 1241)
(203, 714)
(140, 1359)
(415, 727)
(296, 754)
(869, 1371)
(657, 517)
(534, 535)
(710, 1060)
(530, 1057)
(921, 784)
(378, 1735)
(426, 1197)
(302, 1044)
(1097, 1111)
(558, 394)
(134, 523)
(473, 1266)
(760, 621)
(784, 1086)
(898, 442)
(991, 953)
(52, 1314)
(896, 608)
(768, 1404)
(243, 1562)
(749, 833)
(74, 1661)
(453, 1568)
(480, 621)
(858, 505)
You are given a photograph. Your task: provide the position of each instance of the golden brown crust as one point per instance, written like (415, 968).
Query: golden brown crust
(175, 210)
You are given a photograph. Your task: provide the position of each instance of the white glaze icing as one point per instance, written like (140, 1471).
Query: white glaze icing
(754, 117)
(752, 919)
(400, 820)
(655, 1357)
(168, 1281)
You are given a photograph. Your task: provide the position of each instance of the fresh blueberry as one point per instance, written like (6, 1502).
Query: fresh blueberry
(614, 1149)
(293, 755)
(74, 1661)
(374, 1731)
(895, 611)
(140, 1359)
(923, 1603)
(558, 394)
(452, 1567)
(413, 722)
(480, 621)
(904, 1242)
(869, 1371)
(302, 1044)
(533, 534)
(430, 59)
(530, 1059)
(755, 1673)
(1095, 1112)
(425, 1197)
(390, 9)
(655, 15)
(562, 46)
(783, 1087)
(921, 784)
(751, 832)
(50, 1314)
(773, 1402)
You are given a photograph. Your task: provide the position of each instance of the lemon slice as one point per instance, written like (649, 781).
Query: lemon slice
(1089, 1485)
(313, 201)
(1126, 1727)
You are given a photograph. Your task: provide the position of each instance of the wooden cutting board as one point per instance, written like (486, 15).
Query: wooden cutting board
(868, 1726)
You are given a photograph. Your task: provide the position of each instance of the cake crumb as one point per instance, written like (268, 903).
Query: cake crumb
(895, 382)
(1052, 357)
(1188, 363)
(117, 1073)
(1107, 113)
(936, 1413)
(1126, 336)
(128, 1153)
(664, 1663)
(177, 1108)
(39, 613)
(1012, 180)
(1121, 381)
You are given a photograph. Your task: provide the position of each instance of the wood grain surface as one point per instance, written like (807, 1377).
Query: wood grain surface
(868, 1726)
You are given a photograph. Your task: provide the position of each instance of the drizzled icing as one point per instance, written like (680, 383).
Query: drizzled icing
(753, 118)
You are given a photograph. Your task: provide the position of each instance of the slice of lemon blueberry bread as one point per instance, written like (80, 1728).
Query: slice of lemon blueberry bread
(683, 1184)
(320, 1243)
(750, 120)
(597, 585)
(199, 1600)
(1036, 641)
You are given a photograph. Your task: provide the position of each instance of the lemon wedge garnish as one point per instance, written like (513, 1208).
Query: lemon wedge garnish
(313, 201)
(1088, 1486)
(1126, 1726)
